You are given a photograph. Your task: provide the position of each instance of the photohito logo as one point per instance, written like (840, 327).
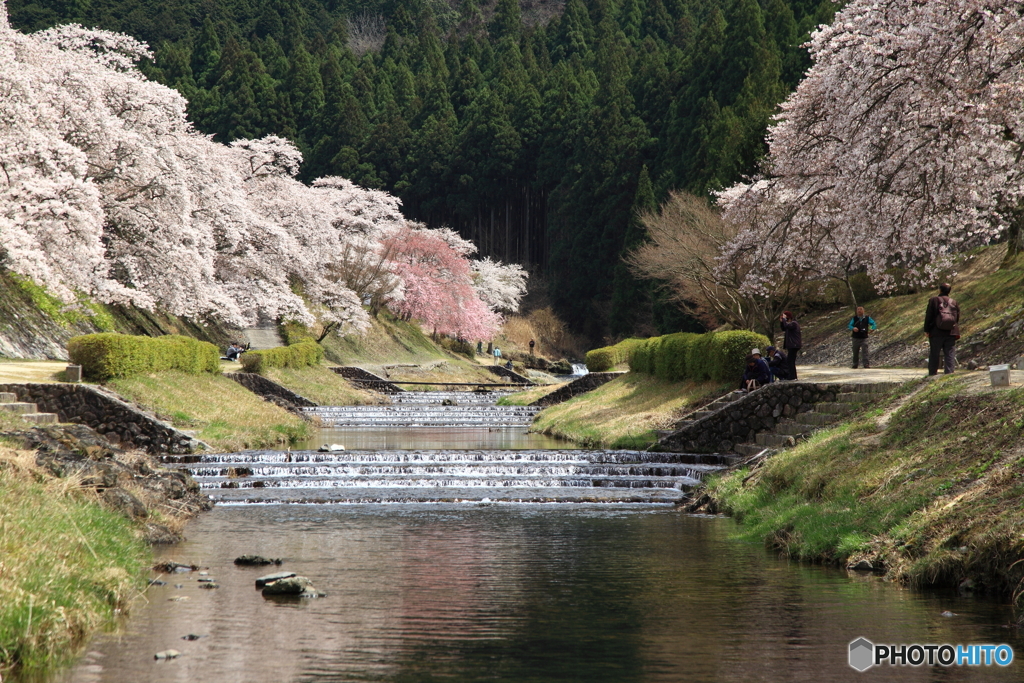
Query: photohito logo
(864, 654)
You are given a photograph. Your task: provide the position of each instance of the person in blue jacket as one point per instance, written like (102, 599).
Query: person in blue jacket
(861, 326)
(756, 373)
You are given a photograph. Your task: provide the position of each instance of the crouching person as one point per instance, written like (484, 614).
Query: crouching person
(757, 373)
(777, 363)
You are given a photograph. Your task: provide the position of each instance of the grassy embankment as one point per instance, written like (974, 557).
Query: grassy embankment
(928, 485)
(218, 410)
(67, 566)
(624, 413)
(991, 300)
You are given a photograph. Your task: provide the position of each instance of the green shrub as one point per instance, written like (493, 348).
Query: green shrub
(670, 363)
(108, 355)
(299, 355)
(607, 357)
(601, 360)
(730, 351)
(700, 357)
(641, 359)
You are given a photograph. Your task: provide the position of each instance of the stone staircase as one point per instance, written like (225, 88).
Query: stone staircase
(710, 408)
(821, 415)
(26, 411)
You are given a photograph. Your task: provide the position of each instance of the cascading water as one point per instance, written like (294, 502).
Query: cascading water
(387, 476)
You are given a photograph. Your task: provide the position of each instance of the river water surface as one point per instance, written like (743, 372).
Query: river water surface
(463, 569)
(485, 592)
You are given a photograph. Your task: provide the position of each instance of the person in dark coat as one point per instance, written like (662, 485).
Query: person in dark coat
(756, 373)
(861, 325)
(942, 326)
(777, 362)
(792, 341)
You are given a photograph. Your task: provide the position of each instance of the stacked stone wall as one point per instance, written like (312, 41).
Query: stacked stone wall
(502, 371)
(270, 390)
(586, 383)
(742, 420)
(367, 380)
(119, 422)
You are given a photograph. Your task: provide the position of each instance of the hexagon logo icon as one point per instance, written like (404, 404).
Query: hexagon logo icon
(862, 654)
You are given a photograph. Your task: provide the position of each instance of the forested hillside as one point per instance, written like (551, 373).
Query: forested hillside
(526, 127)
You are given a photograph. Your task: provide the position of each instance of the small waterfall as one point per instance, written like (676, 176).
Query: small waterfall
(579, 369)
(446, 475)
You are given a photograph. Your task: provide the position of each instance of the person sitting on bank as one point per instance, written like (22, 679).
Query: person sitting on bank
(234, 351)
(861, 325)
(777, 363)
(757, 373)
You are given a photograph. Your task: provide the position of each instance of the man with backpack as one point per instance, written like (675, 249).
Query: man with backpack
(942, 325)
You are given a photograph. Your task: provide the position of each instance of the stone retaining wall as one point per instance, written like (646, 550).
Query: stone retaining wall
(586, 383)
(758, 411)
(367, 380)
(270, 390)
(502, 371)
(119, 422)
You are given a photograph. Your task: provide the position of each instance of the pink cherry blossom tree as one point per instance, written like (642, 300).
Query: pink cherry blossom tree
(901, 148)
(438, 283)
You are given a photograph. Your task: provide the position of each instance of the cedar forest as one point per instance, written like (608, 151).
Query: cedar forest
(535, 130)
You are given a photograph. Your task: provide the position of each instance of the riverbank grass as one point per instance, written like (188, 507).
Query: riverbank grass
(219, 411)
(626, 412)
(322, 386)
(67, 566)
(928, 486)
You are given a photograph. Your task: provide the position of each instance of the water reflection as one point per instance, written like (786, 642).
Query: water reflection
(521, 593)
(422, 438)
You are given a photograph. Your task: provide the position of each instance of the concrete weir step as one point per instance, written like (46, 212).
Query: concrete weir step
(747, 449)
(856, 397)
(793, 429)
(768, 440)
(21, 408)
(815, 419)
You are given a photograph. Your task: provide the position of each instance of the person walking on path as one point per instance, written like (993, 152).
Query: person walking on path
(942, 326)
(861, 325)
(792, 342)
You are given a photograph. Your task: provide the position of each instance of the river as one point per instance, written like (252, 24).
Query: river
(429, 585)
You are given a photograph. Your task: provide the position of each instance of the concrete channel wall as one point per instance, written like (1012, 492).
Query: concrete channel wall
(366, 379)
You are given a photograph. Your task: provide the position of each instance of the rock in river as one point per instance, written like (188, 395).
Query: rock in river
(270, 578)
(255, 561)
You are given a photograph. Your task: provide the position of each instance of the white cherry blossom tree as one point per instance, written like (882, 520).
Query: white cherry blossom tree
(901, 147)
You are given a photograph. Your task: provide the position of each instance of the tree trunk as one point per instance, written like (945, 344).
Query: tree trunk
(1014, 239)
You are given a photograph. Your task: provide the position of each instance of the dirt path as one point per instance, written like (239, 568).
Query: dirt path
(47, 370)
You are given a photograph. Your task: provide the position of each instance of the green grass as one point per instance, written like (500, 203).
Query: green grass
(624, 413)
(935, 494)
(222, 412)
(67, 566)
(988, 296)
(321, 385)
(525, 398)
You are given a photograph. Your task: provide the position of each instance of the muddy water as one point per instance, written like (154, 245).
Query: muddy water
(518, 593)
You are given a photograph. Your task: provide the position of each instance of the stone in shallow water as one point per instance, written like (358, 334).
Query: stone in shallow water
(292, 585)
(255, 561)
(167, 654)
(270, 578)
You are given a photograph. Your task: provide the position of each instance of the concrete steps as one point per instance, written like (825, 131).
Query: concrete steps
(26, 411)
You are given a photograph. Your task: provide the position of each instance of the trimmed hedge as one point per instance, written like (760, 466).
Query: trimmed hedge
(108, 355)
(719, 356)
(607, 357)
(294, 356)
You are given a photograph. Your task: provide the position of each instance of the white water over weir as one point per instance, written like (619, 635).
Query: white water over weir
(404, 476)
